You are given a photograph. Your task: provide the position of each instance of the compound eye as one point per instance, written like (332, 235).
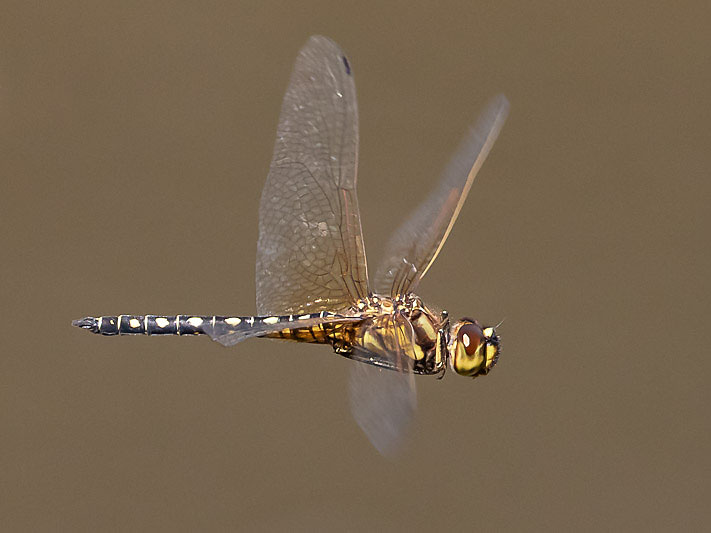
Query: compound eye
(471, 337)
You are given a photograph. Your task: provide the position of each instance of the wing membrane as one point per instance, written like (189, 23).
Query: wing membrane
(310, 254)
(381, 383)
(415, 245)
(229, 335)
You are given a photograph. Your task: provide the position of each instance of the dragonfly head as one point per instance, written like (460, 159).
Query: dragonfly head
(473, 350)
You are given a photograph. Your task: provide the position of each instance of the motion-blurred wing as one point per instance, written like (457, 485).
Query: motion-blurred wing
(229, 335)
(310, 254)
(414, 246)
(381, 383)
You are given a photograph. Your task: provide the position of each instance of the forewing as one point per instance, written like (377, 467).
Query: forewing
(310, 254)
(414, 246)
(382, 386)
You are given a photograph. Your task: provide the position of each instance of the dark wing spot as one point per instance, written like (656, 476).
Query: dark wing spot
(348, 67)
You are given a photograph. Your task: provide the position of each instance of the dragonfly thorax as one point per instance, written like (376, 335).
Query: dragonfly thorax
(377, 304)
(403, 327)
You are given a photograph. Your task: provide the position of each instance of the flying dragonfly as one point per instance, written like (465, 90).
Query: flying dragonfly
(312, 277)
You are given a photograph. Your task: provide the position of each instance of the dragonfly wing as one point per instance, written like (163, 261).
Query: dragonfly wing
(414, 246)
(310, 254)
(229, 335)
(382, 386)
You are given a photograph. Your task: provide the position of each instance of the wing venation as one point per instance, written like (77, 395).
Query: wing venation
(415, 245)
(310, 254)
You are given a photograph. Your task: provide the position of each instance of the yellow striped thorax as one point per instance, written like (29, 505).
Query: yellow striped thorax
(402, 326)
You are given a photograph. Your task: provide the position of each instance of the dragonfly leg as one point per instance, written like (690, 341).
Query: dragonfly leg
(443, 339)
(341, 347)
(443, 350)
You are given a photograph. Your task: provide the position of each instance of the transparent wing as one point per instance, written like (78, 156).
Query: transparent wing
(414, 246)
(229, 335)
(381, 383)
(310, 254)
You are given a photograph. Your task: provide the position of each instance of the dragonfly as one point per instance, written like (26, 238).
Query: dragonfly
(312, 280)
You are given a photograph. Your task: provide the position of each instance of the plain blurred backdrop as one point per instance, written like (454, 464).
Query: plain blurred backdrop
(134, 141)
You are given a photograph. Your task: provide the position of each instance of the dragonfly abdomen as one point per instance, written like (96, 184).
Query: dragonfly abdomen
(323, 333)
(147, 324)
(166, 325)
(291, 327)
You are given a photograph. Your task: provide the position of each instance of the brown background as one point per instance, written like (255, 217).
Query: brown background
(134, 140)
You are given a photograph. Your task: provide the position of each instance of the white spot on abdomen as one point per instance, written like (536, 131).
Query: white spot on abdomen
(134, 323)
(271, 320)
(195, 321)
(162, 322)
(233, 321)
